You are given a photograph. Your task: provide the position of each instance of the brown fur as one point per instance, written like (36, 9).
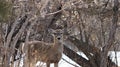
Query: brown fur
(45, 52)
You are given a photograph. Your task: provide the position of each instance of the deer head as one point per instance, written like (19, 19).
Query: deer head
(57, 34)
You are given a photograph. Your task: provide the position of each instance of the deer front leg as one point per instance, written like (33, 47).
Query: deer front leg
(55, 64)
(48, 64)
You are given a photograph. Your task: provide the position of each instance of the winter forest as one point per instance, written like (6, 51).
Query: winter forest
(45, 30)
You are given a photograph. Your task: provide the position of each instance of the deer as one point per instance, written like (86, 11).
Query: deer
(46, 52)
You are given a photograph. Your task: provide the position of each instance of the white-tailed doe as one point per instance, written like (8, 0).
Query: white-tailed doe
(46, 52)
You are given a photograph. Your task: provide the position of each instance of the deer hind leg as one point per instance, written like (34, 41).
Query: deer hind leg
(48, 64)
(31, 63)
(55, 64)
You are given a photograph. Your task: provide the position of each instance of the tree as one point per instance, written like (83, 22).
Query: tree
(87, 25)
(99, 57)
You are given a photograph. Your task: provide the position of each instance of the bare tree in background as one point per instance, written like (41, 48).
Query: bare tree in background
(90, 26)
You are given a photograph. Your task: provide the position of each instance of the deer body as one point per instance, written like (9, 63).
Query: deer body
(45, 52)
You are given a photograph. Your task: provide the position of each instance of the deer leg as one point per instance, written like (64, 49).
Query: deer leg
(48, 64)
(55, 64)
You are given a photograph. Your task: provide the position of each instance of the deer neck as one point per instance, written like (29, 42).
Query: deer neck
(57, 43)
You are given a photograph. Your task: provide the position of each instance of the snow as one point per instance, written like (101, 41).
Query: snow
(63, 63)
(113, 55)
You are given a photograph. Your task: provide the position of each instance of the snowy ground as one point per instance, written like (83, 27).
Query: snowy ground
(64, 63)
(115, 56)
(112, 54)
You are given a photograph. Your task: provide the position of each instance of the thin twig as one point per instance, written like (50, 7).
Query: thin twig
(61, 9)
